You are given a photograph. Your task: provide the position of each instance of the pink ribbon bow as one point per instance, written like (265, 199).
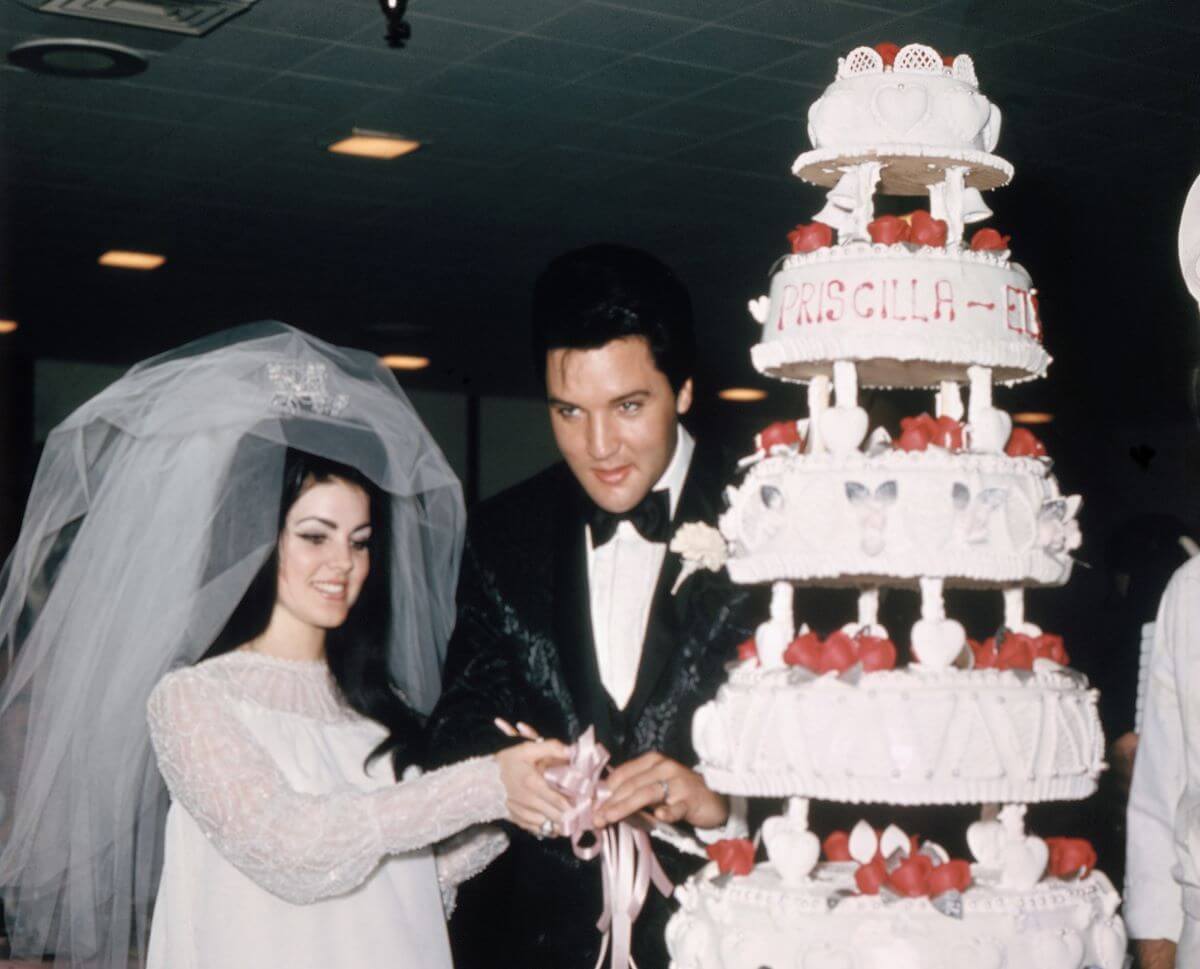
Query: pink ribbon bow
(627, 862)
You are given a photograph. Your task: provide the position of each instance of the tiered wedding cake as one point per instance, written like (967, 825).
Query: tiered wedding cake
(959, 498)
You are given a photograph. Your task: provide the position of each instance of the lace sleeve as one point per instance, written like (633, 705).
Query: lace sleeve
(464, 856)
(299, 846)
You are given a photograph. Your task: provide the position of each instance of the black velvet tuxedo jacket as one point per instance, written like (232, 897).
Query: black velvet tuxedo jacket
(522, 649)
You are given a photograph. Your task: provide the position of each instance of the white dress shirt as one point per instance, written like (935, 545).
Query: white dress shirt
(1162, 886)
(622, 575)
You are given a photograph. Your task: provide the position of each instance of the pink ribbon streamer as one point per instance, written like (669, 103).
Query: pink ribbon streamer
(627, 863)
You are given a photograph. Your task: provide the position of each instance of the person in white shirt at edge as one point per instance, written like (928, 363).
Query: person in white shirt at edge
(566, 615)
(1162, 881)
(288, 841)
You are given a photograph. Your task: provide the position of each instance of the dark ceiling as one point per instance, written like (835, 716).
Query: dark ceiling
(669, 124)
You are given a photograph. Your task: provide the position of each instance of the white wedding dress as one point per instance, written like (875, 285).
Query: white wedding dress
(280, 850)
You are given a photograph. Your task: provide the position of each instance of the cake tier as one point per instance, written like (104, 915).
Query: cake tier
(909, 736)
(907, 316)
(758, 922)
(891, 518)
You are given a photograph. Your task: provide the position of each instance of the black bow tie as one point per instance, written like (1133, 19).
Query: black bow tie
(651, 517)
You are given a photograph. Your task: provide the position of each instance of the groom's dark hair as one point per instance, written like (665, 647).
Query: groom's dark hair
(589, 297)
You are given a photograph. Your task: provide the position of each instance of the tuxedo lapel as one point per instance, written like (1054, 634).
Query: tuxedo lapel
(697, 502)
(573, 620)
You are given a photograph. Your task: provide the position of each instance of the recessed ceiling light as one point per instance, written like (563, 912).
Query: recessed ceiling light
(76, 57)
(374, 144)
(403, 361)
(1032, 417)
(127, 259)
(742, 394)
(8, 326)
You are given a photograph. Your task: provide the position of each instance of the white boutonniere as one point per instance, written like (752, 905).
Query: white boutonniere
(701, 547)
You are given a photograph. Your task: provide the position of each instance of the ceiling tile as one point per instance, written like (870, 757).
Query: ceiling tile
(700, 10)
(620, 140)
(694, 117)
(507, 15)
(381, 68)
(763, 95)
(614, 27)
(548, 58)
(600, 104)
(1118, 36)
(210, 77)
(766, 149)
(467, 81)
(1012, 18)
(321, 94)
(645, 75)
(1181, 14)
(263, 49)
(311, 18)
(811, 21)
(724, 49)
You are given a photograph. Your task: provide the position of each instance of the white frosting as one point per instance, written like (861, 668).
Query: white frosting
(916, 101)
(757, 921)
(909, 317)
(902, 737)
(979, 518)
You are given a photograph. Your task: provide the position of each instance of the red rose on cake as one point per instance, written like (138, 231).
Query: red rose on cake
(910, 878)
(988, 240)
(918, 433)
(747, 649)
(888, 230)
(1016, 652)
(733, 855)
(837, 847)
(953, 875)
(925, 230)
(876, 654)
(984, 653)
(1022, 443)
(871, 877)
(810, 236)
(781, 434)
(1048, 646)
(1070, 857)
(888, 51)
(804, 650)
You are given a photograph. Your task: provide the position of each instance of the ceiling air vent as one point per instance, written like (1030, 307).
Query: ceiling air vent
(195, 17)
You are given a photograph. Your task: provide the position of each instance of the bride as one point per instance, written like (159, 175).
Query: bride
(237, 564)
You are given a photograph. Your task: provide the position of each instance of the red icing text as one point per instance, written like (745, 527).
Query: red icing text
(898, 300)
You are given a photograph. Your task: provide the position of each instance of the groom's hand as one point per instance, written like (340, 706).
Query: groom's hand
(674, 792)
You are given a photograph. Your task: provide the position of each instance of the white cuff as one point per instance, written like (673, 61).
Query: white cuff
(734, 827)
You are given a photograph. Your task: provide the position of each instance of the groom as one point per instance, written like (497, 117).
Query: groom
(566, 617)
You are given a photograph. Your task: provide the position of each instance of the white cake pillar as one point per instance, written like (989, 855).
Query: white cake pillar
(949, 402)
(937, 642)
(772, 638)
(1014, 613)
(988, 427)
(844, 426)
(818, 403)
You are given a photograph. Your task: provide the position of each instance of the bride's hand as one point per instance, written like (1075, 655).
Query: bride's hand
(531, 800)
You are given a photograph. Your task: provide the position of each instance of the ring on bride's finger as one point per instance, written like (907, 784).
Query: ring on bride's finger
(546, 829)
(666, 788)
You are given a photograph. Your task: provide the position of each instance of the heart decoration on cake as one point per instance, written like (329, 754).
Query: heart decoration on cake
(987, 839)
(937, 642)
(792, 848)
(965, 111)
(1025, 860)
(989, 430)
(894, 840)
(759, 308)
(843, 429)
(900, 107)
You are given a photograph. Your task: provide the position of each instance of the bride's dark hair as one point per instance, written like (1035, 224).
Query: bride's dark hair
(356, 651)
